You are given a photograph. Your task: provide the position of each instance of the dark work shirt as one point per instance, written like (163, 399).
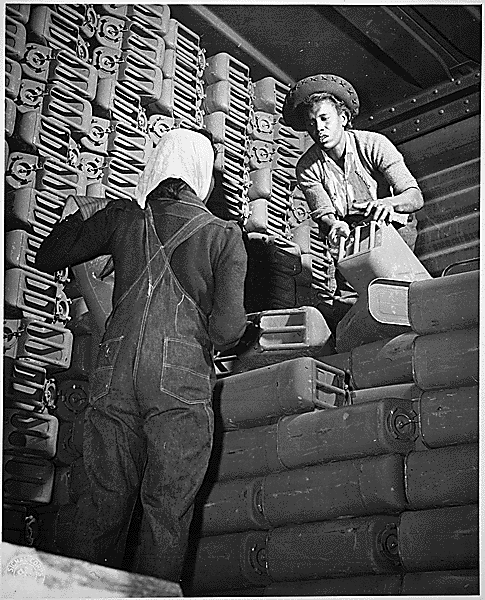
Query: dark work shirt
(210, 266)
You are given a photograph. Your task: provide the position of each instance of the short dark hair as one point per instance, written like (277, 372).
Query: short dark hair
(317, 97)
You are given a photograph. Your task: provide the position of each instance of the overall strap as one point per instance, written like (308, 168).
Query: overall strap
(164, 251)
(186, 231)
(188, 228)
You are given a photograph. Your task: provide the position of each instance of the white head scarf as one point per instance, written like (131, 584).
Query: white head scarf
(182, 154)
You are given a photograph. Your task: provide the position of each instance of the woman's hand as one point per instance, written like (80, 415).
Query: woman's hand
(339, 229)
(382, 210)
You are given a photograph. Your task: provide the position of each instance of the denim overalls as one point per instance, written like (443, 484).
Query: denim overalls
(149, 426)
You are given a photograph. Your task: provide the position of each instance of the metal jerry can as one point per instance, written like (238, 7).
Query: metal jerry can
(444, 303)
(439, 538)
(33, 294)
(40, 210)
(385, 362)
(448, 416)
(378, 251)
(21, 249)
(438, 360)
(48, 137)
(370, 429)
(15, 37)
(347, 488)
(375, 316)
(386, 426)
(263, 395)
(140, 38)
(233, 506)
(68, 69)
(154, 16)
(366, 486)
(428, 305)
(269, 95)
(142, 75)
(283, 334)
(28, 432)
(236, 560)
(27, 386)
(48, 344)
(339, 548)
(442, 477)
(446, 359)
(27, 479)
(246, 453)
(53, 29)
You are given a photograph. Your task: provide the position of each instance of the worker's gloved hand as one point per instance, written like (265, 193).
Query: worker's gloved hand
(339, 229)
(381, 210)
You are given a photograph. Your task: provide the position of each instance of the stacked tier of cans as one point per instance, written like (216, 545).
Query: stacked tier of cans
(228, 106)
(89, 91)
(356, 469)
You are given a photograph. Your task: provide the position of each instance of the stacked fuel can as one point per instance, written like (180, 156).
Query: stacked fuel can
(228, 104)
(81, 84)
(376, 490)
(342, 464)
(40, 172)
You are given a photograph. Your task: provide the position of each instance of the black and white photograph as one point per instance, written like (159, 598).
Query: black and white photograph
(241, 298)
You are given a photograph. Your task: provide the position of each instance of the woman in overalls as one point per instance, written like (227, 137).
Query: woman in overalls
(178, 297)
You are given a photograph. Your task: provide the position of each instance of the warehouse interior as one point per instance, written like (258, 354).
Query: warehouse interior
(342, 464)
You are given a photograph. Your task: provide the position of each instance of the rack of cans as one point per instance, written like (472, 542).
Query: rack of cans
(318, 490)
(90, 90)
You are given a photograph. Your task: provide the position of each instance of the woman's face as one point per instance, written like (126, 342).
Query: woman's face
(325, 125)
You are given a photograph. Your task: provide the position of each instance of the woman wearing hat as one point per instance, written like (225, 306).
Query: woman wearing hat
(347, 175)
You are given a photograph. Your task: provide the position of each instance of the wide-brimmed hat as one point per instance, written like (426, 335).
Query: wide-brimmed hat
(329, 84)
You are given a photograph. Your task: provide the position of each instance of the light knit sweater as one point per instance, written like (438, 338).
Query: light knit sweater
(376, 159)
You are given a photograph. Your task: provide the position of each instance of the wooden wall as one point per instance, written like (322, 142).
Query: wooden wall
(446, 163)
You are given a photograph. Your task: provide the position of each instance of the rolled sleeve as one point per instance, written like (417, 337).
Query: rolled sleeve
(309, 175)
(390, 162)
